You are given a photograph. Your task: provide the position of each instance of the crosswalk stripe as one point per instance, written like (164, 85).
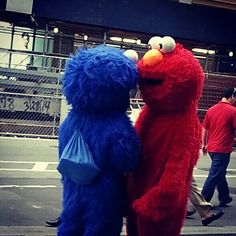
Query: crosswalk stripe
(27, 186)
(28, 162)
(40, 166)
(27, 170)
(205, 176)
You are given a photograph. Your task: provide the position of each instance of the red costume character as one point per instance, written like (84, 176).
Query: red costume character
(171, 82)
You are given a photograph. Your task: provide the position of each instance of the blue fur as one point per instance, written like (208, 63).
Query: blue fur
(97, 84)
(99, 80)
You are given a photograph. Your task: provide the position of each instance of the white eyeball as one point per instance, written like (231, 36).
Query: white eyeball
(154, 42)
(132, 54)
(167, 44)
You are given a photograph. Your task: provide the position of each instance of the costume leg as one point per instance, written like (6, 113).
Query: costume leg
(132, 224)
(145, 227)
(168, 227)
(171, 224)
(72, 214)
(102, 226)
(71, 225)
(103, 216)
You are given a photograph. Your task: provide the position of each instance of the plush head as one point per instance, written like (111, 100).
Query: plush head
(98, 80)
(171, 78)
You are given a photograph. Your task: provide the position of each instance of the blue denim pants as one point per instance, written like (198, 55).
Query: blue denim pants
(217, 177)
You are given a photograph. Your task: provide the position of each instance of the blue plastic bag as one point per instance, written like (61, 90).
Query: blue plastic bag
(76, 162)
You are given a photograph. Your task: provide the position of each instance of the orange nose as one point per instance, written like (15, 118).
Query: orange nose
(152, 57)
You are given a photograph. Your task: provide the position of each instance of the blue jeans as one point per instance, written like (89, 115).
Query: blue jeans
(216, 177)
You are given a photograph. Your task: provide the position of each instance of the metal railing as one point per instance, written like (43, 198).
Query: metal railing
(30, 94)
(31, 101)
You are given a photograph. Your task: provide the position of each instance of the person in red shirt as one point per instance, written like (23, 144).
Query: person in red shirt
(218, 135)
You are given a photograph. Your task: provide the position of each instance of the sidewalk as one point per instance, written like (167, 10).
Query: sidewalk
(29, 196)
(47, 231)
(209, 230)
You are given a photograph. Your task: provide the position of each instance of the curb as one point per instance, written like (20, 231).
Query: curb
(49, 231)
(209, 230)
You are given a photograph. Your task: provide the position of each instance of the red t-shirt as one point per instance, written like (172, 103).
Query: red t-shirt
(220, 122)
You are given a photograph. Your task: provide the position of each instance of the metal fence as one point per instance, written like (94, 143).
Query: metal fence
(30, 94)
(31, 101)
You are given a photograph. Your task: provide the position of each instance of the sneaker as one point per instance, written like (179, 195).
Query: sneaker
(225, 202)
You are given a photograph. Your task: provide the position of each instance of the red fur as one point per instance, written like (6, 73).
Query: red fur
(169, 130)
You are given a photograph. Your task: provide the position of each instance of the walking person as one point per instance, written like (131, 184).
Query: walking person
(203, 207)
(218, 135)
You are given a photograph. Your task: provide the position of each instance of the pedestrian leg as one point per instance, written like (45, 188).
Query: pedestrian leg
(214, 176)
(198, 201)
(222, 186)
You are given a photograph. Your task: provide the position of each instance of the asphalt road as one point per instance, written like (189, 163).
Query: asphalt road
(30, 188)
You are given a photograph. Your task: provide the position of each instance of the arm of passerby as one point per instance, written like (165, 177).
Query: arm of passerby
(204, 140)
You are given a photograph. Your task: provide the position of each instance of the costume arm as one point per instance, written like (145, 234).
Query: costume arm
(171, 192)
(124, 150)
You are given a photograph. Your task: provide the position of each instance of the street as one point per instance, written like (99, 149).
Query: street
(30, 188)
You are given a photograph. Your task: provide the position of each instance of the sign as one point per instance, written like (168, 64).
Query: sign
(30, 104)
(21, 6)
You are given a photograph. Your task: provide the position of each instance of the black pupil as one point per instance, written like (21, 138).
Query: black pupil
(160, 45)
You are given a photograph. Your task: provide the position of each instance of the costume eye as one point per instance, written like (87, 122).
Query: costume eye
(154, 42)
(131, 54)
(167, 44)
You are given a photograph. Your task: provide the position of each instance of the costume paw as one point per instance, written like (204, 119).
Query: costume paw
(144, 209)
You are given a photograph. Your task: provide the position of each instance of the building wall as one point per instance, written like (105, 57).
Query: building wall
(158, 17)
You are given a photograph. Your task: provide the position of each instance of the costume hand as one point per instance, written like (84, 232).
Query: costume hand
(142, 208)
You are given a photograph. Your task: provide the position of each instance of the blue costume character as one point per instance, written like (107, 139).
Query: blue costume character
(97, 83)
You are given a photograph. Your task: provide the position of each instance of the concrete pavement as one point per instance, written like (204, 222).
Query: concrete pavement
(30, 191)
(48, 231)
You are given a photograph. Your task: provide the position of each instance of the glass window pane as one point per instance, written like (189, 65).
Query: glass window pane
(5, 34)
